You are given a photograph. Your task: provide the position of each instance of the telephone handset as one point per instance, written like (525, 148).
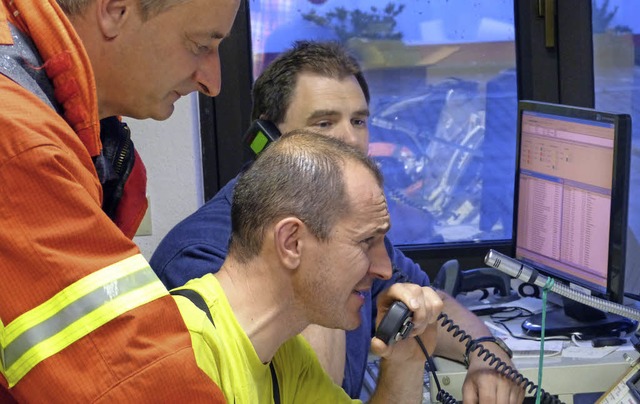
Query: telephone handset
(397, 324)
(261, 134)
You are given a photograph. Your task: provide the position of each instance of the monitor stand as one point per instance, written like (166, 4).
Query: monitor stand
(576, 317)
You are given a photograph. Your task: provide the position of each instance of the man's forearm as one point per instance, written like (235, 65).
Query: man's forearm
(399, 382)
(482, 380)
(448, 346)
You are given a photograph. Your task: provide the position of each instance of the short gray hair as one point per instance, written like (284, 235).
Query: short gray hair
(300, 175)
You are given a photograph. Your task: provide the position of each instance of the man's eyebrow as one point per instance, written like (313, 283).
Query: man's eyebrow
(384, 228)
(364, 112)
(218, 35)
(379, 229)
(329, 112)
(323, 112)
(210, 35)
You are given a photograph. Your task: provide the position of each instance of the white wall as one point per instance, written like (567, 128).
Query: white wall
(171, 153)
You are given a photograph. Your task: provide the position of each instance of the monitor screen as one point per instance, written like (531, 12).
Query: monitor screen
(570, 209)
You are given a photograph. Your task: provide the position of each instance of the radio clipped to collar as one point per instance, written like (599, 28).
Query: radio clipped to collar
(260, 134)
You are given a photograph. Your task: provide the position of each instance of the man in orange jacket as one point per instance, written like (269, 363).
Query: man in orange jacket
(83, 318)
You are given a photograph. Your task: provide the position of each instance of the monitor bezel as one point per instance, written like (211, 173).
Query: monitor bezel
(619, 191)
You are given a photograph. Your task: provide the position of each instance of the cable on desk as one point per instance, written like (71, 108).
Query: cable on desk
(632, 296)
(531, 338)
(510, 313)
(442, 395)
(547, 287)
(487, 356)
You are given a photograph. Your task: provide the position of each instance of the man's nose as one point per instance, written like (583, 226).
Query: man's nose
(349, 134)
(357, 137)
(380, 266)
(208, 74)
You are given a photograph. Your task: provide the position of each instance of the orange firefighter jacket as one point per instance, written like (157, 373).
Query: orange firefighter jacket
(83, 318)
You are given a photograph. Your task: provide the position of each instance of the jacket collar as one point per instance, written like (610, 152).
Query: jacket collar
(65, 62)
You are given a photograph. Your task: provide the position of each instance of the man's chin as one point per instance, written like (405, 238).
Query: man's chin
(160, 111)
(163, 114)
(353, 324)
(159, 114)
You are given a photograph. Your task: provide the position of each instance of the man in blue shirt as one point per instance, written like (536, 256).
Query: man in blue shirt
(319, 87)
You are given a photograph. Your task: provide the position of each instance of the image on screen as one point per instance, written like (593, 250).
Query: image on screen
(571, 203)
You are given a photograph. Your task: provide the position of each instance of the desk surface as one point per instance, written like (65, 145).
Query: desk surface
(574, 370)
(561, 376)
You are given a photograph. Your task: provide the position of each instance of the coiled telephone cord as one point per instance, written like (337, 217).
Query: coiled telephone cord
(499, 365)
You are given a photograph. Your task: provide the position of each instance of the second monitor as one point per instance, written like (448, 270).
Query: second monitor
(570, 213)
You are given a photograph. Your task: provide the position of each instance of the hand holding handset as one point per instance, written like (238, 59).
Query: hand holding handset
(396, 324)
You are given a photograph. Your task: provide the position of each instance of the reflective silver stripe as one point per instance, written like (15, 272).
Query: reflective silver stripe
(74, 312)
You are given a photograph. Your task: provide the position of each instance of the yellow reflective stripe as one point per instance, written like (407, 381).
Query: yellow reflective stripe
(1, 348)
(75, 312)
(84, 286)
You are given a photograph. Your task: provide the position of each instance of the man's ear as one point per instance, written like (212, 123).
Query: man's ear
(112, 14)
(288, 240)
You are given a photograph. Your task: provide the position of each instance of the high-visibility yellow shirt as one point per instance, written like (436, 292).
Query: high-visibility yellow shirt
(225, 353)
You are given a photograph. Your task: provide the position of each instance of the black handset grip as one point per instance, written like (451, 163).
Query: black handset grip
(396, 324)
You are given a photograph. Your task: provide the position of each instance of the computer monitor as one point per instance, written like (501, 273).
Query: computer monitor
(570, 212)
